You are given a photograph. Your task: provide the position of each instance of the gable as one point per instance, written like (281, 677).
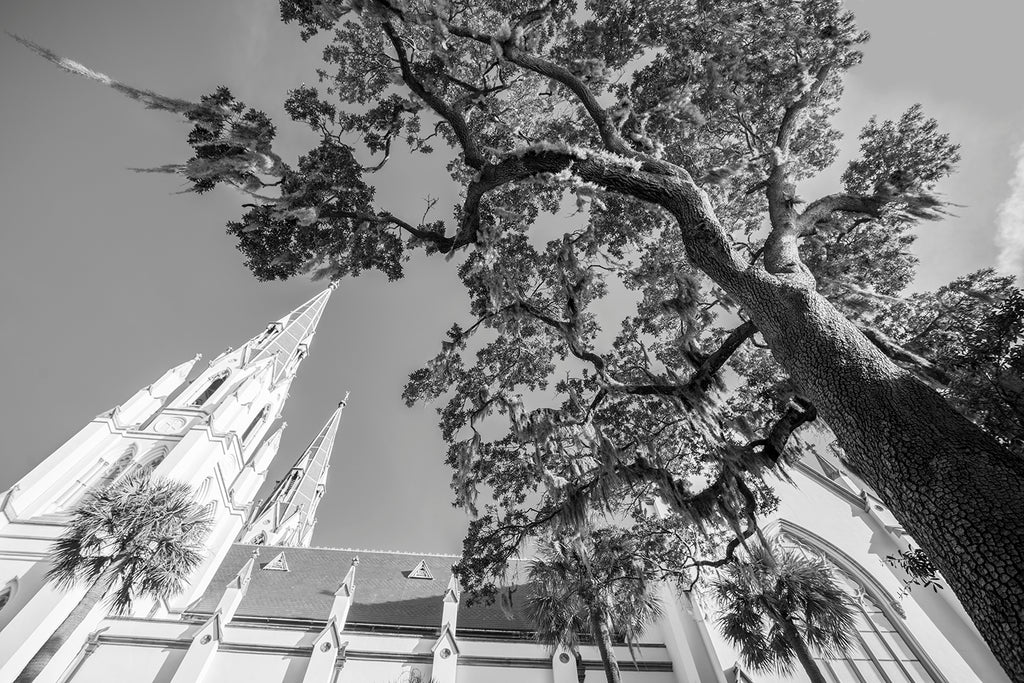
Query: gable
(279, 563)
(421, 571)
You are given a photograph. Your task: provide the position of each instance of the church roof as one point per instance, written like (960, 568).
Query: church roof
(384, 594)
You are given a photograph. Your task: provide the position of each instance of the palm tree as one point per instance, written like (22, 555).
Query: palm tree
(138, 537)
(590, 585)
(778, 605)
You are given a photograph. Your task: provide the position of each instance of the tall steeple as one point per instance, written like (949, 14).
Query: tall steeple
(287, 340)
(288, 516)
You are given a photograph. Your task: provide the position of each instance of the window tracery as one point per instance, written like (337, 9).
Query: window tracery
(882, 652)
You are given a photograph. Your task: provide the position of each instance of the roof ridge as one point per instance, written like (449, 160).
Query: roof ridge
(376, 550)
(363, 550)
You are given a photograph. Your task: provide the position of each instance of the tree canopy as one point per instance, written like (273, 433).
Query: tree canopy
(648, 152)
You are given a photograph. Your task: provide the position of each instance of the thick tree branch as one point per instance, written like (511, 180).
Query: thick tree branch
(798, 413)
(512, 52)
(898, 353)
(791, 117)
(474, 159)
(781, 252)
(822, 209)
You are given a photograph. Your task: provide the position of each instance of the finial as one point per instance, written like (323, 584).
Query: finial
(197, 357)
(255, 553)
(333, 285)
(344, 402)
(355, 561)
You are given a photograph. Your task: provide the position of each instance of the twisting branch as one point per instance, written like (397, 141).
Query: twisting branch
(799, 412)
(791, 117)
(474, 159)
(781, 253)
(512, 52)
(822, 209)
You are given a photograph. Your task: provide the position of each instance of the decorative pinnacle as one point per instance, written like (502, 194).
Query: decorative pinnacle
(344, 402)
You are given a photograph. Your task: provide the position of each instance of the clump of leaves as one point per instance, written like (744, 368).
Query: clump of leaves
(920, 570)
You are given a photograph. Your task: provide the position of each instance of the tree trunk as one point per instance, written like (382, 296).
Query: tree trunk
(581, 669)
(603, 638)
(954, 488)
(38, 662)
(796, 641)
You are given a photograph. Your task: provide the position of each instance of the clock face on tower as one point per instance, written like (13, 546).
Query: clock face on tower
(169, 424)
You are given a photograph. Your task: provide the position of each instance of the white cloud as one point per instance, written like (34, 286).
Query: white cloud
(1010, 232)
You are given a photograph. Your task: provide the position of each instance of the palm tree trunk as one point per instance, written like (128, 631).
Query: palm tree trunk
(581, 669)
(36, 665)
(796, 641)
(603, 638)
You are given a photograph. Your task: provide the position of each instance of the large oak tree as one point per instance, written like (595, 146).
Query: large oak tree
(682, 129)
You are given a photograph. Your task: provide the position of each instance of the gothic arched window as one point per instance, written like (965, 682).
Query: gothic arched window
(883, 650)
(210, 390)
(100, 475)
(152, 459)
(256, 422)
(293, 480)
(204, 489)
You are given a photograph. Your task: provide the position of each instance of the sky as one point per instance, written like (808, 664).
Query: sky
(109, 277)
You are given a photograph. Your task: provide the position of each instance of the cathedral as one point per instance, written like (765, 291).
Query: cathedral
(269, 606)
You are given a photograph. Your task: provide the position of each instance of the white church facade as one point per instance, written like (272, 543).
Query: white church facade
(267, 606)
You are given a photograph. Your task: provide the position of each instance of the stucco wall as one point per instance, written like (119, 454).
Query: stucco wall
(110, 663)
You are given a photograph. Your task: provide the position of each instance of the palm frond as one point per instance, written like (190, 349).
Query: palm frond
(139, 536)
(777, 584)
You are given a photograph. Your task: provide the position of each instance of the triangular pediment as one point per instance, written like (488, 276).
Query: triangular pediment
(446, 640)
(212, 630)
(421, 571)
(279, 564)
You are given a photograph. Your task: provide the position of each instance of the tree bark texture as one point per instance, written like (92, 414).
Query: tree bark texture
(796, 641)
(956, 490)
(38, 663)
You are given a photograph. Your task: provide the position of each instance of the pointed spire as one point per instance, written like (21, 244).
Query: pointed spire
(173, 378)
(284, 339)
(236, 588)
(450, 604)
(348, 585)
(148, 400)
(343, 596)
(299, 493)
(264, 455)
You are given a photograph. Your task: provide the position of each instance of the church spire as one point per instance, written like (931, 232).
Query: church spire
(286, 341)
(287, 517)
